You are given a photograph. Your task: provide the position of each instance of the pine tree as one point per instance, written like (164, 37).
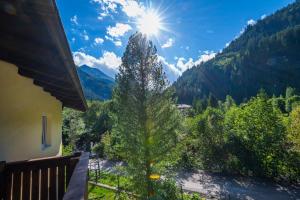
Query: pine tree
(146, 118)
(229, 102)
(212, 101)
(289, 93)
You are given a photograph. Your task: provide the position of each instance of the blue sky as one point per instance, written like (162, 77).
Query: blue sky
(193, 30)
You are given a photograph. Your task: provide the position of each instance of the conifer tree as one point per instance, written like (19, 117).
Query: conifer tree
(146, 118)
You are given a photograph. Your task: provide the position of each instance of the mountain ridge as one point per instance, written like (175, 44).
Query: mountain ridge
(96, 84)
(266, 55)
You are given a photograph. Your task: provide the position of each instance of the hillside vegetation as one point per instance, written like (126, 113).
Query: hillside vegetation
(266, 55)
(96, 84)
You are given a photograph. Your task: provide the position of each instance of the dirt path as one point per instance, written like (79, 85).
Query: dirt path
(228, 187)
(216, 186)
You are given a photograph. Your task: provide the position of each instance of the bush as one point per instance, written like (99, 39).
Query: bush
(67, 150)
(256, 138)
(99, 149)
(255, 134)
(166, 190)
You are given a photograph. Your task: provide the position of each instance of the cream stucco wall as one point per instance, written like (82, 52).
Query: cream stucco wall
(22, 105)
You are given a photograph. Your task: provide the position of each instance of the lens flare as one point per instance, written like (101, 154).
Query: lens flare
(149, 23)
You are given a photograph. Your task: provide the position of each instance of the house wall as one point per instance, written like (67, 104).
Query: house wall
(22, 105)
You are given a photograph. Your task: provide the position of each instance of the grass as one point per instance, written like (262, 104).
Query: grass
(96, 192)
(112, 180)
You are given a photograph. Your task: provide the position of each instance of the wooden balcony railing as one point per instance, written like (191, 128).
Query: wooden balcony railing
(51, 178)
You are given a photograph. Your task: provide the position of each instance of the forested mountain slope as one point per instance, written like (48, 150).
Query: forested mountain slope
(266, 55)
(96, 84)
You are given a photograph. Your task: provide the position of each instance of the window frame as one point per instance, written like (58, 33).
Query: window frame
(45, 133)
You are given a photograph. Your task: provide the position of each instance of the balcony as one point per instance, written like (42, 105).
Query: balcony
(50, 178)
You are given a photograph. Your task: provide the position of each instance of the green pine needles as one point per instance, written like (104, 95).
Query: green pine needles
(145, 118)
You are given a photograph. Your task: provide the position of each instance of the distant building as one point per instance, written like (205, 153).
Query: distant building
(183, 106)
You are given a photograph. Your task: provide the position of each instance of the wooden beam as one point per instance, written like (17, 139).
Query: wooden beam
(77, 188)
(29, 54)
(49, 78)
(32, 65)
(57, 93)
(55, 84)
(67, 98)
(77, 106)
(59, 88)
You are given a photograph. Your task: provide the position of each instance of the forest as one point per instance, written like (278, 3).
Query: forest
(257, 138)
(266, 55)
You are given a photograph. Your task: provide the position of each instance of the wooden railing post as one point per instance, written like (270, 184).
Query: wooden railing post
(2, 167)
(77, 188)
(43, 178)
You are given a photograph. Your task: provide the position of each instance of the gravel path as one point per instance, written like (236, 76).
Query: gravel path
(216, 186)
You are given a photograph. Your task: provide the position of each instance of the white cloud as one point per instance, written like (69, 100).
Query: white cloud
(173, 71)
(106, 7)
(251, 22)
(110, 59)
(168, 43)
(102, 15)
(85, 35)
(205, 57)
(74, 19)
(187, 48)
(227, 44)
(131, 8)
(98, 40)
(263, 16)
(184, 64)
(108, 63)
(116, 41)
(73, 39)
(118, 30)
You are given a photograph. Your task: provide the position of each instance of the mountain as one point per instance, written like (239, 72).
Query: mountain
(96, 84)
(266, 55)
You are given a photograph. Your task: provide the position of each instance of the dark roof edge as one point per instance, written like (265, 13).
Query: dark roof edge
(63, 47)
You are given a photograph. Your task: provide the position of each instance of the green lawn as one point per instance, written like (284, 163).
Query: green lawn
(96, 192)
(112, 180)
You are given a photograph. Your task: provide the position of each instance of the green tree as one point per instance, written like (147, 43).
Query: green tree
(256, 134)
(294, 129)
(208, 129)
(229, 102)
(146, 118)
(278, 103)
(289, 93)
(212, 101)
(199, 105)
(81, 129)
(73, 127)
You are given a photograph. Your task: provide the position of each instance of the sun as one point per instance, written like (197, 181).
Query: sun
(149, 23)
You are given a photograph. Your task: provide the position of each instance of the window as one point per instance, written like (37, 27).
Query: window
(45, 134)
